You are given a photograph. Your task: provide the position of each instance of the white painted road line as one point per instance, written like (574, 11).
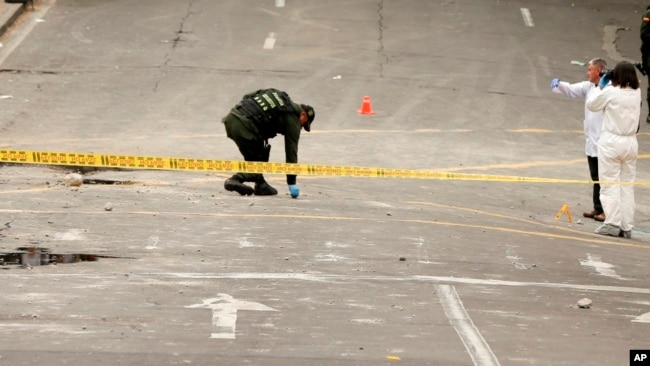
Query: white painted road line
(528, 19)
(335, 278)
(474, 342)
(269, 42)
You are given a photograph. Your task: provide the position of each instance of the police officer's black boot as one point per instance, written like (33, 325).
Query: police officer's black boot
(264, 189)
(236, 183)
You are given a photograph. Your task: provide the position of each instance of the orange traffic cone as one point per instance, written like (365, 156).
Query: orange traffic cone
(366, 108)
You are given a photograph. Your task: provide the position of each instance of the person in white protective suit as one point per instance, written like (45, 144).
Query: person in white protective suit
(592, 125)
(620, 103)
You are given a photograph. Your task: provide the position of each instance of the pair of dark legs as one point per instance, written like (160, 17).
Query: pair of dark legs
(252, 150)
(593, 171)
(645, 61)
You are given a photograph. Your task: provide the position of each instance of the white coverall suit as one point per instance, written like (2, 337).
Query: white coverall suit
(617, 151)
(593, 124)
(593, 120)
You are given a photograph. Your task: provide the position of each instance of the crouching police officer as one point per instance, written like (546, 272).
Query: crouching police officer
(260, 116)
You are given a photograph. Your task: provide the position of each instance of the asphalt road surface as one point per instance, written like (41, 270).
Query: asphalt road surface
(168, 268)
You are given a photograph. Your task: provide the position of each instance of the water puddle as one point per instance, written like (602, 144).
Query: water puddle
(108, 182)
(37, 256)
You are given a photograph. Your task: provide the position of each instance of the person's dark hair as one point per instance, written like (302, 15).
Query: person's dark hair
(624, 76)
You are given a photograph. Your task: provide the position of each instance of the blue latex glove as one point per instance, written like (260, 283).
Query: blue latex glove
(294, 190)
(604, 80)
(555, 83)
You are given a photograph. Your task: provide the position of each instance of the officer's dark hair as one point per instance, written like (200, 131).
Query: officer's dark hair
(624, 76)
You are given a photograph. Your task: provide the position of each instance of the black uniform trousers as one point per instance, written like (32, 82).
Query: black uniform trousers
(593, 171)
(645, 61)
(253, 150)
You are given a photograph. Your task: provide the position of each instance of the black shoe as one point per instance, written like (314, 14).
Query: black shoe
(625, 234)
(265, 189)
(235, 183)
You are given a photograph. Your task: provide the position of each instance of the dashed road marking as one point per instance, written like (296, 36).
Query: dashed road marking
(528, 19)
(269, 42)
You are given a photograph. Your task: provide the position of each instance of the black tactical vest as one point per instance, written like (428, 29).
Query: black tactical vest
(272, 100)
(265, 104)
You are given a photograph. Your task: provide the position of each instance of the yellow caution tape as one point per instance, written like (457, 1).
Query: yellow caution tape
(211, 165)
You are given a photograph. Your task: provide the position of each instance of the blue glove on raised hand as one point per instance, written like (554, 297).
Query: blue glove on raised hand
(604, 80)
(555, 83)
(294, 190)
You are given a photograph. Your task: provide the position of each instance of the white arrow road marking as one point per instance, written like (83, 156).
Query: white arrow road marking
(602, 268)
(645, 318)
(224, 313)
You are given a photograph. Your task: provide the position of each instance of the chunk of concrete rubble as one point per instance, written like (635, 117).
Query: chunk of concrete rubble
(584, 303)
(73, 180)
